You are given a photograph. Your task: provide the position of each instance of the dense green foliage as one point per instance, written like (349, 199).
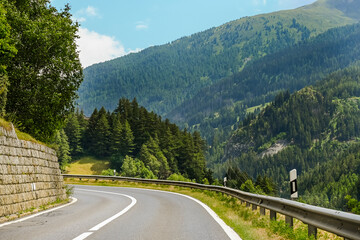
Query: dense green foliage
(353, 204)
(293, 68)
(62, 149)
(44, 75)
(320, 127)
(7, 51)
(138, 143)
(163, 77)
(241, 180)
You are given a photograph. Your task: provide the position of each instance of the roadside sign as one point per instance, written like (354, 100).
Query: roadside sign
(293, 184)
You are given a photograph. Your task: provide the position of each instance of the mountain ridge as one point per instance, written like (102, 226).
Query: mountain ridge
(218, 109)
(162, 77)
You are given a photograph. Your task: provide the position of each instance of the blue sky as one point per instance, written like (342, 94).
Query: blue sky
(113, 28)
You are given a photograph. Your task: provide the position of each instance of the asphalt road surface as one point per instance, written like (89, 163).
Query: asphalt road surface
(122, 213)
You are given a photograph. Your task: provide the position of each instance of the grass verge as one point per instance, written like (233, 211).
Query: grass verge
(5, 124)
(88, 166)
(22, 136)
(247, 223)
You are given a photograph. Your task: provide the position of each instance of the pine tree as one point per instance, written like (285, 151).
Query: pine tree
(102, 135)
(63, 149)
(116, 135)
(168, 146)
(127, 140)
(124, 109)
(154, 159)
(90, 133)
(140, 133)
(73, 131)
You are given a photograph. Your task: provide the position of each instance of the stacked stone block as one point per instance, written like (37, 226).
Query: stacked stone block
(29, 174)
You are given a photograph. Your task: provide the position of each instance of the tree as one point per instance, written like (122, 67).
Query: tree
(154, 159)
(165, 149)
(136, 168)
(46, 72)
(266, 184)
(7, 52)
(116, 135)
(117, 156)
(63, 149)
(126, 140)
(102, 135)
(90, 133)
(73, 131)
(191, 160)
(82, 120)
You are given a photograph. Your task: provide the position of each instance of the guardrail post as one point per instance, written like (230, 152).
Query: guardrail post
(289, 220)
(247, 204)
(272, 215)
(262, 211)
(312, 231)
(254, 207)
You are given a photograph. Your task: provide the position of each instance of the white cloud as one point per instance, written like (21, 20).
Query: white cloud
(91, 11)
(141, 25)
(95, 48)
(80, 19)
(84, 13)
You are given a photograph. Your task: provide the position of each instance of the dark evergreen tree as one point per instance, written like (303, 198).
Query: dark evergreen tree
(90, 133)
(102, 135)
(62, 149)
(164, 149)
(126, 140)
(73, 132)
(116, 135)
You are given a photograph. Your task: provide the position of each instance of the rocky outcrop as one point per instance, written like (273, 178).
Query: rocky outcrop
(29, 174)
(275, 148)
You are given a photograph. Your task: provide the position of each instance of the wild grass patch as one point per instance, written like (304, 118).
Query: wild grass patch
(88, 166)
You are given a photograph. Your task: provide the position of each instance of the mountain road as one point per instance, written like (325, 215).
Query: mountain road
(123, 213)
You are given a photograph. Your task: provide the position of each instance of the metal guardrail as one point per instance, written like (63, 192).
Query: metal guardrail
(343, 224)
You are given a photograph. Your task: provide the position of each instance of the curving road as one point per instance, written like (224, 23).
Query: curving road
(122, 213)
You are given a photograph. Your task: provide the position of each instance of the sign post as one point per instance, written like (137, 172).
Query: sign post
(225, 180)
(293, 184)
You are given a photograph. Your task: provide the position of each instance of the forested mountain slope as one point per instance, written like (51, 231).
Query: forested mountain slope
(163, 77)
(316, 131)
(218, 108)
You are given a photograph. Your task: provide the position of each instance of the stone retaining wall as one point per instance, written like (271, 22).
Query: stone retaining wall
(29, 175)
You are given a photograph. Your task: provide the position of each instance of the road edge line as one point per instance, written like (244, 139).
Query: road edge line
(73, 200)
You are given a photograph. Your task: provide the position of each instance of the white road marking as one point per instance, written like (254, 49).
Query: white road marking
(228, 230)
(103, 223)
(83, 236)
(74, 200)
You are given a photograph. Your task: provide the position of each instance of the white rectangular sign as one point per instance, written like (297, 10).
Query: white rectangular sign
(293, 184)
